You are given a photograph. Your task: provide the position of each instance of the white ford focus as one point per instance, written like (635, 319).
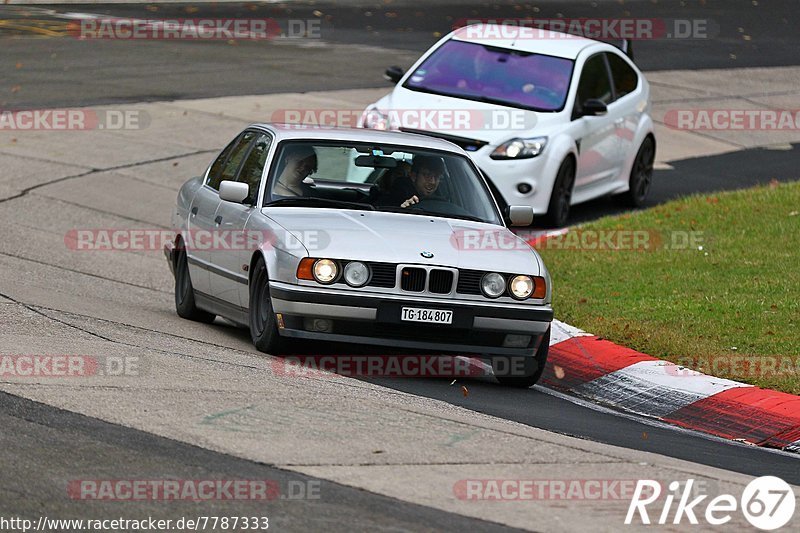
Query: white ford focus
(552, 119)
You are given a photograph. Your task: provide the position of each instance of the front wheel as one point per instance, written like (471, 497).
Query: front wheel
(561, 197)
(263, 326)
(642, 173)
(184, 291)
(522, 372)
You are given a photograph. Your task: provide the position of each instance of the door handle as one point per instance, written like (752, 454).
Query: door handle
(619, 121)
(194, 210)
(218, 220)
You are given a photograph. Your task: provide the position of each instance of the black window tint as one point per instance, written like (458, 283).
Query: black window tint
(228, 169)
(216, 166)
(594, 82)
(625, 78)
(253, 166)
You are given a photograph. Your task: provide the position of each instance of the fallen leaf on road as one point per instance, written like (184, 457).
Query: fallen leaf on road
(465, 391)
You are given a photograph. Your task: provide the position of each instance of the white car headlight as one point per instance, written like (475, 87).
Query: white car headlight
(375, 120)
(521, 287)
(493, 285)
(520, 148)
(325, 270)
(356, 274)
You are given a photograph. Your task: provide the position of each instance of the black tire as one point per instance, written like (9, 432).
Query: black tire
(533, 367)
(184, 291)
(560, 198)
(263, 326)
(641, 173)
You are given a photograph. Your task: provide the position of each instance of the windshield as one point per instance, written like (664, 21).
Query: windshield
(382, 178)
(498, 75)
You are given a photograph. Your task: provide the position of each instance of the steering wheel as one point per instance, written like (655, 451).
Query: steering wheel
(441, 207)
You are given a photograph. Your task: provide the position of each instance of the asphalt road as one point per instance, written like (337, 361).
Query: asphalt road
(61, 70)
(43, 449)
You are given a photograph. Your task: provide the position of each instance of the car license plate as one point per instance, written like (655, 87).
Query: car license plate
(431, 316)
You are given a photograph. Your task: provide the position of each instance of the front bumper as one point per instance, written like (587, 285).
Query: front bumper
(375, 319)
(507, 175)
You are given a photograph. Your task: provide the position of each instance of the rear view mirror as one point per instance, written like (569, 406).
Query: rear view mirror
(393, 74)
(233, 191)
(520, 215)
(376, 161)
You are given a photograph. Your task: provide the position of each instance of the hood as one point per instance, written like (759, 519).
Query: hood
(491, 123)
(401, 238)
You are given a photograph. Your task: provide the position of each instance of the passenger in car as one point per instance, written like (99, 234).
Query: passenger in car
(421, 182)
(299, 163)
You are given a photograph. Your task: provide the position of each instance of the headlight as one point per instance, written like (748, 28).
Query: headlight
(375, 120)
(325, 270)
(521, 287)
(493, 285)
(520, 148)
(356, 274)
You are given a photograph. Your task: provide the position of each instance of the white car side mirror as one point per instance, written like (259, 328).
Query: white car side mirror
(520, 215)
(233, 191)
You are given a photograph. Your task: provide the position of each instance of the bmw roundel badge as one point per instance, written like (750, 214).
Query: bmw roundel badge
(426, 255)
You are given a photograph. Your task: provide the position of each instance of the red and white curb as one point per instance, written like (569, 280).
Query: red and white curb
(595, 369)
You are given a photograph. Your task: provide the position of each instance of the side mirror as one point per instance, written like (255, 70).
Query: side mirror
(233, 191)
(593, 108)
(520, 215)
(393, 74)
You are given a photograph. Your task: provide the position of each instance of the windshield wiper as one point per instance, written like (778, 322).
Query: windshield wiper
(319, 202)
(421, 212)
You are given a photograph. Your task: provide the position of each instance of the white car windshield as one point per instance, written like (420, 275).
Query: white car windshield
(383, 178)
(494, 75)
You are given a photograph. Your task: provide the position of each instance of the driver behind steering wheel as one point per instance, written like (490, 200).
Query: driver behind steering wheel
(426, 173)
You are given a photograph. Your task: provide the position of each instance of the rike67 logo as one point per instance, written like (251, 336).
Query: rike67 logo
(767, 503)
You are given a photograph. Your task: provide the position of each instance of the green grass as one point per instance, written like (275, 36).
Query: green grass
(738, 297)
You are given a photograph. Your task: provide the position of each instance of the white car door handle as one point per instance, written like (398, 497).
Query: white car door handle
(619, 121)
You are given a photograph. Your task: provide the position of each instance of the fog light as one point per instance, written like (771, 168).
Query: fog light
(524, 188)
(322, 325)
(516, 341)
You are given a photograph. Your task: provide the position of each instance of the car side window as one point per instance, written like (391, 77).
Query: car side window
(625, 78)
(225, 167)
(218, 164)
(594, 83)
(253, 166)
